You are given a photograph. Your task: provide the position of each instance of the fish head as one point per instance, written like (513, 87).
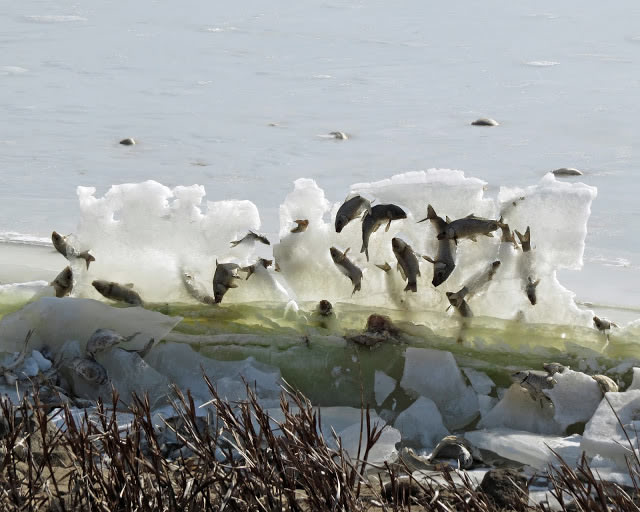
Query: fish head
(335, 254)
(397, 244)
(493, 225)
(441, 273)
(325, 307)
(100, 285)
(56, 237)
(341, 222)
(454, 299)
(395, 212)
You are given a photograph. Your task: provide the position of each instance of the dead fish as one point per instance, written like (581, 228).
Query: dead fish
(223, 279)
(485, 121)
(444, 263)
(128, 142)
(262, 262)
(480, 280)
(118, 292)
(605, 383)
(346, 266)
(530, 290)
(251, 236)
(339, 135)
(525, 240)
(385, 266)
(535, 382)
(90, 370)
(567, 171)
(63, 283)
(302, 225)
(454, 447)
(143, 351)
(456, 299)
(469, 227)
(603, 324)
(553, 368)
(68, 251)
(324, 308)
(351, 209)
(104, 339)
(377, 216)
(195, 289)
(407, 263)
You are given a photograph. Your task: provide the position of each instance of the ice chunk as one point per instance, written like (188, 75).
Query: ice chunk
(383, 450)
(421, 423)
(635, 383)
(607, 470)
(43, 363)
(480, 381)
(605, 435)
(383, 386)
(57, 320)
(527, 448)
(517, 410)
(575, 397)
(486, 403)
(435, 375)
(29, 368)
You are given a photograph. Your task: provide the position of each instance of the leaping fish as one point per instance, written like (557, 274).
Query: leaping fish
(301, 225)
(63, 283)
(104, 339)
(251, 269)
(195, 289)
(445, 261)
(407, 263)
(251, 236)
(373, 219)
(118, 292)
(351, 209)
(530, 282)
(223, 279)
(347, 267)
(469, 227)
(457, 300)
(63, 246)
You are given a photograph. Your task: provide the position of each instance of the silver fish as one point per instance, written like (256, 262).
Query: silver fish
(535, 382)
(223, 279)
(407, 263)
(469, 227)
(603, 324)
(68, 251)
(445, 261)
(377, 216)
(63, 283)
(104, 339)
(302, 225)
(531, 282)
(385, 266)
(530, 290)
(90, 370)
(553, 368)
(251, 269)
(251, 236)
(118, 292)
(457, 300)
(346, 266)
(195, 289)
(351, 209)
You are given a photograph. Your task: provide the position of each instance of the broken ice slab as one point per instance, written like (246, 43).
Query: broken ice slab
(575, 397)
(435, 375)
(527, 448)
(421, 423)
(55, 321)
(606, 436)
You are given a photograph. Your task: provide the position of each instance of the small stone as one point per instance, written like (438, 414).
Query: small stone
(507, 488)
(567, 171)
(128, 141)
(485, 121)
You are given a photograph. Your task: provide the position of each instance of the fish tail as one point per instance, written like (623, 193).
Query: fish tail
(86, 257)
(234, 243)
(431, 213)
(357, 287)
(524, 238)
(411, 287)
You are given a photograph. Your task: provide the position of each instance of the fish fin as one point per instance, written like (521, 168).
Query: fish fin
(536, 283)
(216, 262)
(489, 235)
(233, 244)
(376, 227)
(388, 225)
(426, 218)
(447, 219)
(470, 216)
(232, 285)
(431, 213)
(366, 253)
(429, 259)
(614, 324)
(413, 287)
(356, 288)
(448, 307)
(344, 254)
(86, 257)
(386, 267)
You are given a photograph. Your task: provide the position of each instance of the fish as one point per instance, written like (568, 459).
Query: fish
(507, 236)
(351, 209)
(324, 308)
(407, 263)
(603, 324)
(251, 236)
(346, 266)
(535, 381)
(530, 282)
(118, 292)
(250, 270)
(445, 261)
(339, 135)
(223, 279)
(469, 227)
(195, 289)
(104, 339)
(482, 279)
(302, 225)
(385, 266)
(68, 251)
(377, 216)
(90, 370)
(63, 283)
(457, 300)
